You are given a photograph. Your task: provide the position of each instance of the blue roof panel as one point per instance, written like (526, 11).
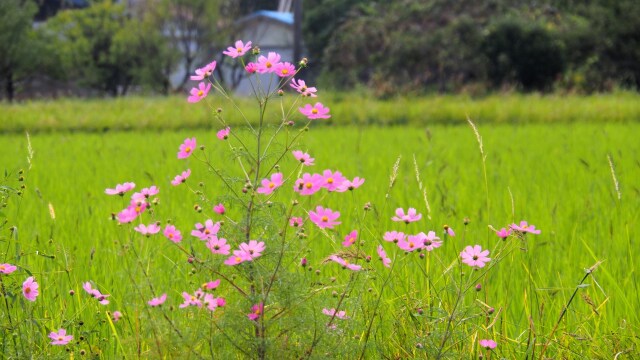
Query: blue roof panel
(286, 18)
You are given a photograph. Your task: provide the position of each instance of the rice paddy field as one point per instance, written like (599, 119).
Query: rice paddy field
(570, 292)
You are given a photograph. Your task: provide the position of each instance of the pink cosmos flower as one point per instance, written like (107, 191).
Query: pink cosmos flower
(238, 257)
(211, 285)
(331, 180)
(474, 256)
(386, 261)
(525, 228)
(239, 49)
(254, 249)
(204, 72)
(190, 300)
(224, 133)
(302, 88)
(317, 111)
(206, 231)
(411, 243)
(332, 312)
(431, 241)
(296, 221)
(199, 93)
(268, 186)
(411, 215)
(219, 209)
(138, 198)
(30, 289)
(120, 189)
(394, 236)
(503, 233)
(284, 69)
(210, 302)
(7, 268)
(60, 337)
(127, 215)
(350, 239)
(488, 344)
(172, 233)
(251, 67)
(150, 191)
(350, 185)
(218, 246)
(117, 315)
(267, 64)
(186, 148)
(345, 263)
(158, 301)
(179, 179)
(256, 311)
(221, 302)
(449, 231)
(102, 298)
(147, 229)
(303, 157)
(308, 184)
(324, 218)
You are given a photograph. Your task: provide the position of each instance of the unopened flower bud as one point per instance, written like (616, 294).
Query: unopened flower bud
(317, 272)
(280, 92)
(303, 262)
(291, 123)
(255, 50)
(466, 221)
(368, 258)
(422, 255)
(244, 190)
(21, 171)
(367, 206)
(21, 178)
(71, 292)
(269, 203)
(478, 287)
(190, 260)
(277, 167)
(420, 311)
(304, 62)
(491, 311)
(219, 110)
(419, 346)
(197, 208)
(334, 294)
(294, 202)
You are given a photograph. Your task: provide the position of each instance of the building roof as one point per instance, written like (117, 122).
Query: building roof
(282, 17)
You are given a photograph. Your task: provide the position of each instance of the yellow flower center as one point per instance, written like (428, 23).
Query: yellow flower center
(239, 49)
(314, 111)
(200, 93)
(308, 185)
(206, 231)
(303, 89)
(325, 219)
(271, 185)
(330, 180)
(170, 236)
(187, 150)
(238, 259)
(411, 244)
(2, 267)
(27, 290)
(268, 64)
(285, 71)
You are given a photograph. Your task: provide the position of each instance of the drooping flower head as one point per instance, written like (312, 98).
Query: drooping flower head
(302, 88)
(449, 231)
(219, 209)
(350, 185)
(411, 215)
(224, 133)
(386, 261)
(120, 189)
(186, 148)
(324, 218)
(158, 301)
(172, 233)
(239, 49)
(267, 64)
(350, 239)
(269, 185)
(303, 157)
(256, 311)
(525, 228)
(199, 93)
(60, 337)
(7, 268)
(179, 179)
(345, 263)
(317, 111)
(204, 72)
(117, 315)
(475, 256)
(503, 233)
(30, 289)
